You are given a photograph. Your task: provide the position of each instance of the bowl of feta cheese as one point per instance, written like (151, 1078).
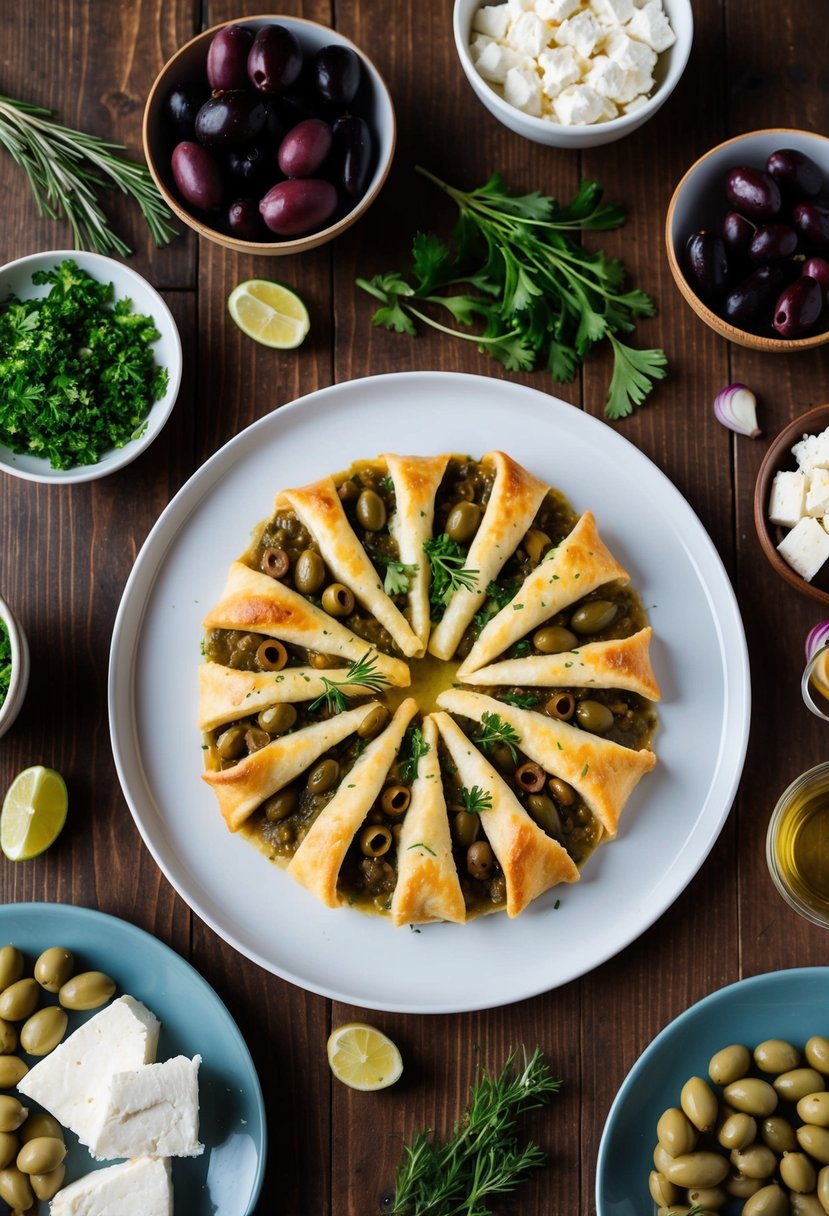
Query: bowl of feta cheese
(573, 73)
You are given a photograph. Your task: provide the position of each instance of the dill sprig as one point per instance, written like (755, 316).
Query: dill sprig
(66, 168)
(448, 571)
(482, 1157)
(475, 800)
(362, 673)
(494, 731)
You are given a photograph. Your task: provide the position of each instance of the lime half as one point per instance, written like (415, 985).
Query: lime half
(269, 313)
(362, 1057)
(34, 811)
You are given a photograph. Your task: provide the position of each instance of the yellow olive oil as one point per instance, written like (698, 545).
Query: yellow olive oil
(801, 847)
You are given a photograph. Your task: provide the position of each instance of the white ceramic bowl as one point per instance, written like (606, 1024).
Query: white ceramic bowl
(19, 682)
(668, 71)
(16, 279)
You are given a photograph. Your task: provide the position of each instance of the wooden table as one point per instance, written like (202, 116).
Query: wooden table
(65, 553)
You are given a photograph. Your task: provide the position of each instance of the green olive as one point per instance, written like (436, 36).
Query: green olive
(16, 1189)
(373, 722)
(805, 1205)
(729, 1064)
(504, 759)
(593, 616)
(554, 639)
(41, 1034)
(338, 600)
(754, 1161)
(709, 1198)
(815, 1141)
(12, 1113)
(40, 1124)
(770, 1200)
(370, 511)
(751, 1095)
(87, 990)
(798, 1173)
(561, 705)
(661, 1157)
(11, 966)
(737, 1131)
(776, 1055)
(700, 1104)
(463, 521)
(277, 719)
(230, 744)
(817, 1053)
(323, 776)
(823, 1174)
(563, 793)
(19, 1000)
(41, 1155)
(797, 1083)
(480, 859)
(545, 813)
(349, 491)
(814, 1108)
(12, 1070)
(395, 800)
(309, 572)
(256, 739)
(663, 1192)
(46, 1186)
(675, 1132)
(54, 967)
(8, 1036)
(465, 828)
(535, 544)
(595, 717)
(271, 655)
(740, 1187)
(700, 1168)
(9, 1145)
(374, 840)
(280, 805)
(778, 1134)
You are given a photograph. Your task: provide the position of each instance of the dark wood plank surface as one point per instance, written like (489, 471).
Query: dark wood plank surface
(65, 553)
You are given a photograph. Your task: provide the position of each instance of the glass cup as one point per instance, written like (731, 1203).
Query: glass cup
(814, 684)
(797, 845)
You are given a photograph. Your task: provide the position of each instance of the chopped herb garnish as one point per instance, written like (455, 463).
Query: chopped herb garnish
(475, 800)
(362, 673)
(398, 575)
(521, 648)
(448, 572)
(386, 484)
(494, 731)
(497, 598)
(420, 845)
(521, 700)
(414, 746)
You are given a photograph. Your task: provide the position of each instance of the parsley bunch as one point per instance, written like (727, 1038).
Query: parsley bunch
(533, 293)
(77, 373)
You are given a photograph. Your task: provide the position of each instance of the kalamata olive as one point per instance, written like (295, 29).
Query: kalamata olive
(335, 73)
(275, 59)
(230, 119)
(812, 222)
(771, 242)
(87, 990)
(247, 165)
(227, 58)
(737, 232)
(196, 175)
(749, 305)
(818, 268)
(304, 148)
(42, 1032)
(271, 655)
(244, 220)
(353, 152)
(54, 967)
(41, 1155)
(795, 172)
(798, 308)
(181, 107)
(299, 205)
(706, 264)
(11, 966)
(46, 1186)
(752, 192)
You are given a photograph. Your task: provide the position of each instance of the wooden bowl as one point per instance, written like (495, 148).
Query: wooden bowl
(699, 202)
(189, 64)
(779, 456)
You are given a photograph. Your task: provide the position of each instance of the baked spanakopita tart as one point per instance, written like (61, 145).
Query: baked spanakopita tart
(427, 689)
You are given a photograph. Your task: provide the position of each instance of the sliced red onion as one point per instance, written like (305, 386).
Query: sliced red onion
(816, 639)
(736, 408)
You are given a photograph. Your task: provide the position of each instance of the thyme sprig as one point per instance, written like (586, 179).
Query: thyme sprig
(482, 1157)
(66, 168)
(362, 673)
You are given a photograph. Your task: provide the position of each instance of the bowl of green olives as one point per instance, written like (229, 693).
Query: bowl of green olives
(269, 135)
(14, 667)
(747, 237)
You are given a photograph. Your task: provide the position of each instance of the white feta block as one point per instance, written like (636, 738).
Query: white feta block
(151, 1111)
(556, 10)
(143, 1185)
(613, 12)
(817, 493)
(516, 7)
(806, 547)
(630, 54)
(651, 25)
(578, 105)
(496, 60)
(492, 20)
(582, 32)
(787, 499)
(522, 89)
(812, 452)
(529, 34)
(605, 76)
(560, 67)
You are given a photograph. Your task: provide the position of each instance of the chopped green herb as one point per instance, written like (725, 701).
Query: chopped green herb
(521, 700)
(448, 572)
(398, 575)
(475, 800)
(497, 598)
(420, 845)
(362, 673)
(495, 731)
(521, 648)
(414, 746)
(386, 484)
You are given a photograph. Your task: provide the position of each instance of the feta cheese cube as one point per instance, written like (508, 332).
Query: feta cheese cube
(151, 1111)
(605, 76)
(516, 7)
(612, 12)
(522, 89)
(581, 31)
(812, 452)
(478, 45)
(529, 34)
(631, 55)
(577, 104)
(143, 1185)
(635, 104)
(496, 60)
(806, 547)
(556, 10)
(609, 109)
(651, 25)
(492, 20)
(560, 67)
(787, 500)
(817, 493)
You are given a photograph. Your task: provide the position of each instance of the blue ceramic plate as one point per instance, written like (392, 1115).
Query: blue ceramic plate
(227, 1178)
(791, 1005)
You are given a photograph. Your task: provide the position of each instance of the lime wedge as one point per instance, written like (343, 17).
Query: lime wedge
(362, 1057)
(269, 313)
(34, 811)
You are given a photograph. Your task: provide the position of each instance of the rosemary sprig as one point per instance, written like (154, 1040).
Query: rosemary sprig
(495, 730)
(448, 572)
(414, 746)
(482, 1157)
(475, 800)
(362, 673)
(65, 169)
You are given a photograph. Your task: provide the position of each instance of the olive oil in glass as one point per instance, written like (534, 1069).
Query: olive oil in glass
(797, 847)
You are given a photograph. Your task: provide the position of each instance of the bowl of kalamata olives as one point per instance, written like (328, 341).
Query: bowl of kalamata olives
(269, 135)
(747, 235)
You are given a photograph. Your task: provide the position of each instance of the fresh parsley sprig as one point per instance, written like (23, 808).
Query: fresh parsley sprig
(362, 673)
(494, 731)
(398, 576)
(482, 1158)
(446, 559)
(532, 293)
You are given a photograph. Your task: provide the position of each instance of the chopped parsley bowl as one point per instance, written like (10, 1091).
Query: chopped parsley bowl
(14, 667)
(90, 366)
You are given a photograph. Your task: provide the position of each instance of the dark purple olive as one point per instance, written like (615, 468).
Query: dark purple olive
(299, 205)
(798, 308)
(818, 269)
(304, 148)
(245, 221)
(275, 59)
(812, 222)
(737, 232)
(772, 243)
(230, 119)
(196, 175)
(706, 264)
(182, 106)
(749, 305)
(335, 72)
(795, 172)
(752, 192)
(227, 58)
(253, 166)
(353, 154)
